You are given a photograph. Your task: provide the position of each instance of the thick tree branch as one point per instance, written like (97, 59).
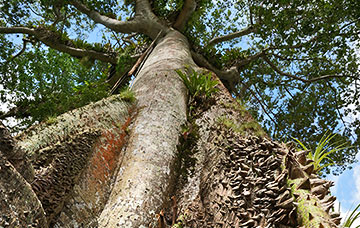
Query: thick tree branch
(145, 21)
(276, 69)
(13, 30)
(185, 14)
(143, 8)
(251, 58)
(149, 23)
(231, 75)
(114, 24)
(243, 32)
(50, 39)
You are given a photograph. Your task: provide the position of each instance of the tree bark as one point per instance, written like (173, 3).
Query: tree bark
(19, 205)
(75, 157)
(151, 151)
(243, 179)
(117, 164)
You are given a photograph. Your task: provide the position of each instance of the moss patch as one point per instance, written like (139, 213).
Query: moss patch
(127, 95)
(309, 213)
(251, 127)
(236, 107)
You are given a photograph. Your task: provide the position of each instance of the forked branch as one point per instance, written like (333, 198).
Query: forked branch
(243, 32)
(145, 21)
(49, 38)
(277, 70)
(114, 24)
(228, 75)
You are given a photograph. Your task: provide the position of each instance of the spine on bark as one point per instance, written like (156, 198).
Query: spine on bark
(250, 181)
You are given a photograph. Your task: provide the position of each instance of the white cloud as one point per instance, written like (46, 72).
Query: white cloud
(347, 190)
(355, 224)
(355, 197)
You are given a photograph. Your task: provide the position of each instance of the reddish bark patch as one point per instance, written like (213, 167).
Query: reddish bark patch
(106, 151)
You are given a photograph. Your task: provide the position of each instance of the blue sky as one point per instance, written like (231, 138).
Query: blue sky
(347, 190)
(347, 185)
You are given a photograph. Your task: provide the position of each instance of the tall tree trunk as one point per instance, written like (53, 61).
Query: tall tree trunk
(142, 184)
(116, 164)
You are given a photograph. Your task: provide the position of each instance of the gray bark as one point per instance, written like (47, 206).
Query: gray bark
(19, 205)
(185, 14)
(89, 163)
(142, 184)
(15, 155)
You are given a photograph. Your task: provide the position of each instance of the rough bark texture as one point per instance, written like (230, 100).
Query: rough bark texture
(244, 180)
(75, 157)
(86, 177)
(54, 180)
(15, 155)
(19, 206)
(143, 181)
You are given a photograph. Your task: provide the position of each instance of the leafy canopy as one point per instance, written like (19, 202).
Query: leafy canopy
(293, 63)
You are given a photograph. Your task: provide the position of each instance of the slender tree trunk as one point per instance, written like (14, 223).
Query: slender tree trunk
(116, 164)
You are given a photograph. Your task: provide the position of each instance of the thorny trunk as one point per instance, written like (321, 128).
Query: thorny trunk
(116, 164)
